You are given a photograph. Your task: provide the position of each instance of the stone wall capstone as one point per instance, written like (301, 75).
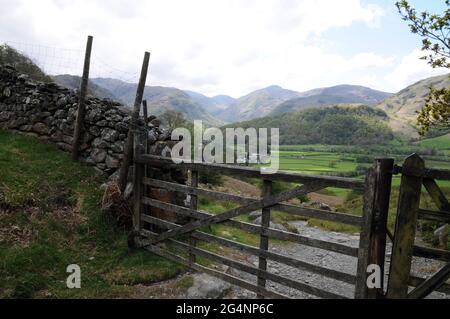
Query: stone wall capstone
(48, 112)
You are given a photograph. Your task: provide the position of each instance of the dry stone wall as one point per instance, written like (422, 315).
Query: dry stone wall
(48, 111)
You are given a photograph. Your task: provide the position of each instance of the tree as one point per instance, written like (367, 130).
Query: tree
(174, 119)
(434, 30)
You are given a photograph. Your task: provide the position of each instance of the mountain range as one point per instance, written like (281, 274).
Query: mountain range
(270, 101)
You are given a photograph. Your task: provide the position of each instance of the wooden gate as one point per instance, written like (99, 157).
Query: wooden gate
(414, 175)
(185, 237)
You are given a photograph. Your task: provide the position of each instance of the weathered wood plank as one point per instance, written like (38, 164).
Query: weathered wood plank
(320, 214)
(330, 181)
(128, 147)
(140, 146)
(405, 226)
(226, 277)
(193, 205)
(265, 202)
(431, 253)
(273, 233)
(439, 174)
(436, 194)
(257, 272)
(145, 110)
(415, 281)
(432, 173)
(378, 224)
(431, 284)
(439, 216)
(264, 240)
(198, 191)
(81, 111)
(334, 274)
(291, 209)
(364, 237)
(264, 274)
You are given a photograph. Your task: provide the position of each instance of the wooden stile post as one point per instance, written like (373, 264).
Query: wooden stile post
(405, 226)
(128, 149)
(264, 240)
(145, 116)
(78, 130)
(140, 147)
(372, 247)
(145, 111)
(194, 206)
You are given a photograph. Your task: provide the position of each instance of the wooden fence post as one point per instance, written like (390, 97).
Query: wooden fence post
(78, 130)
(372, 246)
(405, 226)
(194, 206)
(147, 170)
(145, 111)
(264, 240)
(140, 145)
(128, 149)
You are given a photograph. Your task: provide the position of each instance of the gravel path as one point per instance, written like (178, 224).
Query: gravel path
(421, 267)
(204, 286)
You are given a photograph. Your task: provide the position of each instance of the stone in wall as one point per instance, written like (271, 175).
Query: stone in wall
(48, 112)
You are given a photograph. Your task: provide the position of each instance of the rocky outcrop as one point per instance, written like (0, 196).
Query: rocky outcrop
(48, 111)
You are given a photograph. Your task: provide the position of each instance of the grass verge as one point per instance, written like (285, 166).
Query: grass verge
(50, 217)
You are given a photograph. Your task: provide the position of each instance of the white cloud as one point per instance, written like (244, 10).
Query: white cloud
(213, 47)
(410, 70)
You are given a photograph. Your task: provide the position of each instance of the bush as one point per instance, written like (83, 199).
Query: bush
(211, 178)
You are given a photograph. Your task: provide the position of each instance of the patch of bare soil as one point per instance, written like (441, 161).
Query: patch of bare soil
(332, 201)
(235, 186)
(16, 235)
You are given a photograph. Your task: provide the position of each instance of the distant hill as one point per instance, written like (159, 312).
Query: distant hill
(257, 104)
(214, 105)
(402, 107)
(73, 82)
(159, 99)
(337, 125)
(340, 94)
(271, 101)
(224, 99)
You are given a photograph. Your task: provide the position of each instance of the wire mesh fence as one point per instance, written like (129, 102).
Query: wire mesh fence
(57, 62)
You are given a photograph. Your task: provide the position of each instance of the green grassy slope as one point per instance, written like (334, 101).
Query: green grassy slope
(441, 142)
(50, 217)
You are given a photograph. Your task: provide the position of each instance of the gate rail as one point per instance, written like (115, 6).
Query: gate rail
(184, 237)
(414, 176)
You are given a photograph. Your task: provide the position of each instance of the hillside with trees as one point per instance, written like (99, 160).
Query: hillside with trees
(338, 125)
(403, 107)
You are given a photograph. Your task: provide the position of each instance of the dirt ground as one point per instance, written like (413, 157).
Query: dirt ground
(238, 187)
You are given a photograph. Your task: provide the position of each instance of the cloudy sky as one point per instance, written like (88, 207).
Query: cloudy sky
(224, 46)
